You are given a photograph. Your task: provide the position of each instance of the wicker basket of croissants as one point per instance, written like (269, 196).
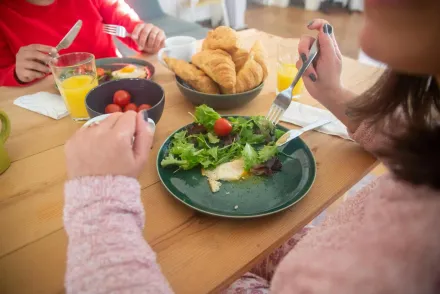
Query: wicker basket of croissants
(222, 75)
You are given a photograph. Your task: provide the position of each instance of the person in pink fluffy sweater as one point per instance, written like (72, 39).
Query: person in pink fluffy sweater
(385, 240)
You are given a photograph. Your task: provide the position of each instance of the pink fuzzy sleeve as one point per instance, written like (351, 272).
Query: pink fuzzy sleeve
(370, 137)
(107, 253)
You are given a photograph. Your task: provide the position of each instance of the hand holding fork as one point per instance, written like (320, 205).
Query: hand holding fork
(284, 98)
(148, 37)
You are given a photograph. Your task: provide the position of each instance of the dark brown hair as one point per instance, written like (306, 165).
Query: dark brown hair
(405, 108)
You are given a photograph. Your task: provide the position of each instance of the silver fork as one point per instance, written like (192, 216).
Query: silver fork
(284, 98)
(115, 30)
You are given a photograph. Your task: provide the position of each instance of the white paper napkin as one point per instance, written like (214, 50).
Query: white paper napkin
(44, 103)
(302, 115)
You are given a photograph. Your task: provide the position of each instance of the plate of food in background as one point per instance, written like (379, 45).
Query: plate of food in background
(222, 75)
(109, 69)
(229, 166)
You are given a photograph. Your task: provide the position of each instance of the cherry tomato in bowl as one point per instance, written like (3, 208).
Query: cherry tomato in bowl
(113, 108)
(100, 71)
(222, 127)
(144, 107)
(121, 98)
(130, 106)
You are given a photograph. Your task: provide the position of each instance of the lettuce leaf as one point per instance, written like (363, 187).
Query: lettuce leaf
(267, 152)
(206, 116)
(213, 139)
(250, 157)
(171, 160)
(279, 133)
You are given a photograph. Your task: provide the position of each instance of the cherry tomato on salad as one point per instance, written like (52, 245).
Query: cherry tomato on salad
(113, 108)
(122, 98)
(222, 127)
(130, 106)
(144, 107)
(100, 71)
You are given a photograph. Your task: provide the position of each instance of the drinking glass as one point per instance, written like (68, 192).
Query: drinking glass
(75, 76)
(286, 67)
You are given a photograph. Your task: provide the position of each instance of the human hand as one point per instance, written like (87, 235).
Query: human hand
(31, 62)
(107, 148)
(148, 37)
(323, 78)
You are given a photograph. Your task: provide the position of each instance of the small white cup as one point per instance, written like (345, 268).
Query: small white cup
(180, 47)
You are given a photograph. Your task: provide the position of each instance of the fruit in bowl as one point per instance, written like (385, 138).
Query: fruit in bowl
(124, 95)
(122, 103)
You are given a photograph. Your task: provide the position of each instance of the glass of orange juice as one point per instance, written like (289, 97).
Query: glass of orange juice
(286, 67)
(75, 76)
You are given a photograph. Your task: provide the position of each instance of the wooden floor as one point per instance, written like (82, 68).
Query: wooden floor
(292, 22)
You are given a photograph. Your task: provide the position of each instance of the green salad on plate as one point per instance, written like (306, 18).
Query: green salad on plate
(213, 140)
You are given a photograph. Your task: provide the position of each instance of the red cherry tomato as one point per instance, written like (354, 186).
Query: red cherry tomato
(130, 106)
(100, 71)
(222, 127)
(121, 98)
(144, 107)
(113, 108)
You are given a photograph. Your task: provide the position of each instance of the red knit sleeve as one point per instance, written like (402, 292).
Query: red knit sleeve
(119, 13)
(7, 64)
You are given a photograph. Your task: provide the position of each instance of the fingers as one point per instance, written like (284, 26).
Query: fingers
(160, 40)
(41, 48)
(317, 24)
(36, 66)
(326, 35)
(154, 38)
(305, 43)
(136, 32)
(125, 126)
(28, 75)
(143, 138)
(143, 36)
(148, 37)
(37, 55)
(110, 121)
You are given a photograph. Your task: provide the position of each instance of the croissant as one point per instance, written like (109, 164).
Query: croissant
(239, 57)
(192, 75)
(260, 56)
(250, 76)
(218, 65)
(223, 38)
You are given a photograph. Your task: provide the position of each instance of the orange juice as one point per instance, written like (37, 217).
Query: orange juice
(74, 90)
(285, 75)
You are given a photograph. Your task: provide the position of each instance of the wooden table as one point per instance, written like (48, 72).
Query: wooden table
(198, 253)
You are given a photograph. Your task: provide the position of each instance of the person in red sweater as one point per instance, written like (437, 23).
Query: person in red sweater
(30, 29)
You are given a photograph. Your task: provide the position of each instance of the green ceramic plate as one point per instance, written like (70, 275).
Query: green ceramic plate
(253, 197)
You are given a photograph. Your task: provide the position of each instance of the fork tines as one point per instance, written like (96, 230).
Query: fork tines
(275, 113)
(109, 29)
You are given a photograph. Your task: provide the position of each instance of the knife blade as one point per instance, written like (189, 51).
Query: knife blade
(293, 134)
(70, 36)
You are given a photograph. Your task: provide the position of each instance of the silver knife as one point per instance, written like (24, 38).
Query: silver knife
(70, 36)
(292, 134)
